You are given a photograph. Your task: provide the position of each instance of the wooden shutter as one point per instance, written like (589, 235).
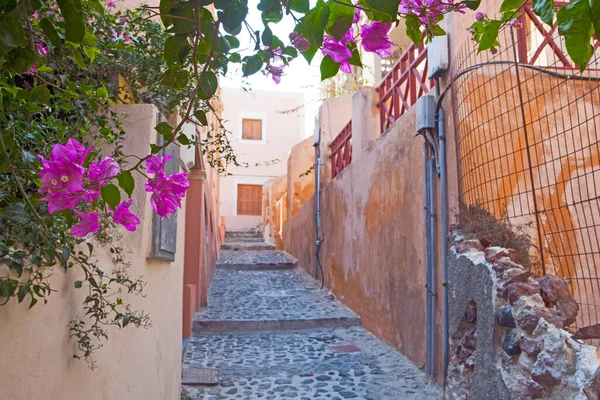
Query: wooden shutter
(251, 129)
(249, 199)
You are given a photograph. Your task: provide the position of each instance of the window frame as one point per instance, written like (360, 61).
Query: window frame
(252, 114)
(237, 203)
(260, 121)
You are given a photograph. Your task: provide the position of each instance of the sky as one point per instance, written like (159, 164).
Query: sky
(299, 77)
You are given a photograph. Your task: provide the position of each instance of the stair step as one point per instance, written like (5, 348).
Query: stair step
(256, 260)
(244, 240)
(232, 326)
(247, 246)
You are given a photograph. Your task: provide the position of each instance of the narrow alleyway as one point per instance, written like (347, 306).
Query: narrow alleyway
(273, 334)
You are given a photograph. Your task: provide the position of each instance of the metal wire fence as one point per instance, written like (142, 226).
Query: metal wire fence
(529, 151)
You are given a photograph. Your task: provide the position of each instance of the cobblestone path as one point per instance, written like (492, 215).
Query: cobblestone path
(273, 334)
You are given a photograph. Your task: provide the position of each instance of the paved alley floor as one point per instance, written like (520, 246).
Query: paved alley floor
(273, 334)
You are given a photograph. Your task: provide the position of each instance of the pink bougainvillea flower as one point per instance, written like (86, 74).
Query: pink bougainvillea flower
(299, 42)
(480, 16)
(356, 15)
(127, 38)
(72, 151)
(338, 50)
(88, 224)
(111, 4)
(100, 173)
(276, 71)
(61, 201)
(32, 70)
(167, 190)
(35, 15)
(375, 38)
(125, 217)
(43, 51)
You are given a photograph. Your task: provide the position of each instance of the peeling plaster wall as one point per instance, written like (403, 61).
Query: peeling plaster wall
(373, 253)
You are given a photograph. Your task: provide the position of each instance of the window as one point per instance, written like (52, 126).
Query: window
(251, 129)
(249, 200)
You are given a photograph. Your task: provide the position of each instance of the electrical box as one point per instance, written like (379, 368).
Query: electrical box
(437, 56)
(426, 112)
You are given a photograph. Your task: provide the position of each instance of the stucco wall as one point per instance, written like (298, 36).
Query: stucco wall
(273, 190)
(300, 185)
(36, 350)
(373, 253)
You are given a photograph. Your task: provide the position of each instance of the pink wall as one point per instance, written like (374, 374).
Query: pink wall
(281, 132)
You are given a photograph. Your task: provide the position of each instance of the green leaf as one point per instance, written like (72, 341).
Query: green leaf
(187, 18)
(126, 182)
(252, 65)
(355, 59)
(90, 39)
(72, 11)
(176, 48)
(234, 43)
(77, 284)
(545, 10)
(78, 58)
(201, 117)
(184, 140)
(232, 13)
(489, 37)
(272, 11)
(111, 195)
(154, 148)
(510, 5)
(315, 22)
(90, 52)
(301, 6)
(33, 302)
(575, 24)
(164, 129)
(413, 29)
(50, 32)
(329, 68)
(208, 85)
(473, 4)
(22, 293)
(341, 14)
(12, 33)
(267, 37)
(175, 78)
(595, 13)
(165, 12)
(389, 8)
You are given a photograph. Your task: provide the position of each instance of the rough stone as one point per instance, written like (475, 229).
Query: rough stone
(593, 387)
(486, 241)
(555, 292)
(471, 313)
(516, 275)
(530, 346)
(516, 290)
(468, 246)
(504, 317)
(527, 320)
(505, 263)
(588, 332)
(554, 317)
(493, 254)
(510, 344)
(544, 373)
(535, 390)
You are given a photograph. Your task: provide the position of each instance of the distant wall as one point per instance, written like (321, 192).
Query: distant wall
(37, 351)
(301, 179)
(273, 191)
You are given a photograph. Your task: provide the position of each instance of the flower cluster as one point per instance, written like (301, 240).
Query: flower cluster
(429, 11)
(167, 190)
(67, 183)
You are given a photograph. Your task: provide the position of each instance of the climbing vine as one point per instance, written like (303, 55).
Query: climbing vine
(61, 64)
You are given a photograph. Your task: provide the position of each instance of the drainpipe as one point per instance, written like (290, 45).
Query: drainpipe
(439, 118)
(428, 299)
(318, 239)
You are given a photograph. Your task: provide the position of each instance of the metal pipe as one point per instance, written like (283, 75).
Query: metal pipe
(317, 209)
(439, 117)
(432, 216)
(428, 328)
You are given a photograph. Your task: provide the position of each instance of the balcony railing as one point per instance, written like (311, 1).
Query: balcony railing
(403, 85)
(341, 150)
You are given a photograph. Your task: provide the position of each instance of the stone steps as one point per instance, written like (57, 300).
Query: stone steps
(269, 300)
(246, 234)
(256, 260)
(244, 240)
(247, 246)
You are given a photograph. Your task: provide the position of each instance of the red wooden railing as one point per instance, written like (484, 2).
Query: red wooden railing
(341, 150)
(555, 56)
(403, 85)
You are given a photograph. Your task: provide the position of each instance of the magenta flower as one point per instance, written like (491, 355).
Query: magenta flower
(72, 151)
(125, 217)
(35, 15)
(299, 42)
(480, 16)
(356, 15)
(111, 4)
(43, 51)
(88, 224)
(338, 50)
(100, 173)
(127, 38)
(32, 70)
(276, 71)
(167, 191)
(61, 201)
(375, 38)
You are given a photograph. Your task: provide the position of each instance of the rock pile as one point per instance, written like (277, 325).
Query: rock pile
(532, 354)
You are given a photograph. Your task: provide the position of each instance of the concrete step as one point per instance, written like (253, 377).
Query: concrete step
(244, 240)
(255, 260)
(244, 234)
(272, 300)
(247, 246)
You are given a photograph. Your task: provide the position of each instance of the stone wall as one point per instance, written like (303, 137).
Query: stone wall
(507, 330)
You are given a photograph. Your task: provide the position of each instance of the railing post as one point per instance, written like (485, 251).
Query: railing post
(522, 39)
(365, 120)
